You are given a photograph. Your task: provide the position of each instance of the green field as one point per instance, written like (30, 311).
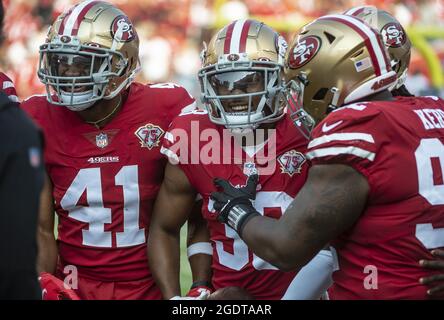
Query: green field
(185, 272)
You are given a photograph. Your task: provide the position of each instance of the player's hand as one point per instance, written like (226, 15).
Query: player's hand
(436, 280)
(195, 295)
(54, 288)
(233, 204)
(199, 293)
(231, 293)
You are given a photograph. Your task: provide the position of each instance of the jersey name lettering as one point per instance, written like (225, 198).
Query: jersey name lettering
(431, 118)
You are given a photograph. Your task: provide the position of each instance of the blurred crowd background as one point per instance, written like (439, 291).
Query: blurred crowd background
(172, 32)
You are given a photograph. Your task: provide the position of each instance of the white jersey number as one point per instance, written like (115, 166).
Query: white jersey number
(240, 256)
(428, 149)
(96, 215)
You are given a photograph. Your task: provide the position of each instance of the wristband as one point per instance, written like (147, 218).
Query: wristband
(201, 283)
(200, 247)
(239, 214)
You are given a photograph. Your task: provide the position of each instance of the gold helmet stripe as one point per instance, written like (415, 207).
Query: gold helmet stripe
(374, 46)
(71, 23)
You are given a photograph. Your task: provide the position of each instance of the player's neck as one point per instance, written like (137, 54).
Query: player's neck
(384, 95)
(253, 138)
(102, 112)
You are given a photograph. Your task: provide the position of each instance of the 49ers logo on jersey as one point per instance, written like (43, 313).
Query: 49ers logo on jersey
(291, 162)
(303, 51)
(122, 23)
(393, 34)
(149, 135)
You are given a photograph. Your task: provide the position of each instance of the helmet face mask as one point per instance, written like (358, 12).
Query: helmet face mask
(82, 67)
(242, 97)
(243, 90)
(294, 96)
(77, 76)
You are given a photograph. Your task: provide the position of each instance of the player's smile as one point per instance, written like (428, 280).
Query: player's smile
(237, 108)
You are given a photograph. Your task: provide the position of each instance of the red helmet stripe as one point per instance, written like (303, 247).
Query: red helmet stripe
(71, 23)
(385, 53)
(375, 49)
(381, 44)
(80, 17)
(355, 11)
(228, 36)
(244, 36)
(65, 18)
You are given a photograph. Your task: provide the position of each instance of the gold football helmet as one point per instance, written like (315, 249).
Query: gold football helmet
(241, 75)
(90, 53)
(395, 38)
(335, 60)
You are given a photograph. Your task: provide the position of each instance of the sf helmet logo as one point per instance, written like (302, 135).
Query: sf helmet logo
(394, 35)
(233, 57)
(123, 29)
(303, 51)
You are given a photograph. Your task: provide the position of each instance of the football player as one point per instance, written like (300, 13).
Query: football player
(375, 188)
(399, 48)
(21, 176)
(103, 134)
(241, 82)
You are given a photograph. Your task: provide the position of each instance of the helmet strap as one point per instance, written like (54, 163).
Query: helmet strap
(333, 105)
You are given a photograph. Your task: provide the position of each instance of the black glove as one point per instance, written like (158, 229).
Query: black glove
(235, 205)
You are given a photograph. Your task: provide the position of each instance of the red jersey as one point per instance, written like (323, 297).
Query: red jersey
(7, 86)
(280, 177)
(398, 146)
(105, 180)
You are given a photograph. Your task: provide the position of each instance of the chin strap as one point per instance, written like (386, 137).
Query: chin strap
(334, 101)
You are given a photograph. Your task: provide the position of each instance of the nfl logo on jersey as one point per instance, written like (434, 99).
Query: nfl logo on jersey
(102, 140)
(250, 168)
(291, 162)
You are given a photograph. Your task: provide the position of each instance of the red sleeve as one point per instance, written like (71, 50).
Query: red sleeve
(350, 135)
(176, 98)
(8, 87)
(183, 102)
(177, 142)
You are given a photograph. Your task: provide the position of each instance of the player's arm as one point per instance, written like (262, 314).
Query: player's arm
(171, 210)
(329, 203)
(199, 251)
(47, 245)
